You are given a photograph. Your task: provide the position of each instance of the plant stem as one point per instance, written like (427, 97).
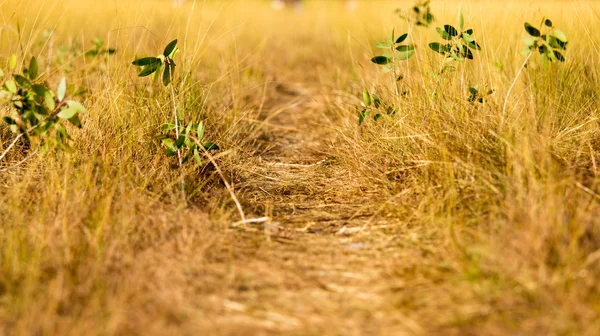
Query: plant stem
(177, 135)
(20, 162)
(394, 81)
(12, 144)
(503, 116)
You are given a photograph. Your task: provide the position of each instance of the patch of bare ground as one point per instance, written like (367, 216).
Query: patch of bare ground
(322, 262)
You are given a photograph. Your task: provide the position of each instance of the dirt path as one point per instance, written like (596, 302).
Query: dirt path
(317, 269)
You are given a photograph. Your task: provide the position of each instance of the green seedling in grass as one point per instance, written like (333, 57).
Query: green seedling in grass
(479, 95)
(34, 110)
(420, 15)
(154, 65)
(99, 49)
(187, 139)
(548, 41)
(459, 46)
(395, 52)
(371, 104)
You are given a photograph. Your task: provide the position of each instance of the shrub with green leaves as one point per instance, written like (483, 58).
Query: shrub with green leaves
(35, 111)
(178, 139)
(396, 51)
(371, 104)
(548, 41)
(153, 65)
(420, 14)
(459, 46)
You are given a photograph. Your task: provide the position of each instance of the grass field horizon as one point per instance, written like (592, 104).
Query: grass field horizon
(446, 217)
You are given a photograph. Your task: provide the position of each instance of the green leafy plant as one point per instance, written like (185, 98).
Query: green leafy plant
(99, 49)
(459, 46)
(420, 14)
(479, 95)
(36, 112)
(187, 139)
(179, 139)
(548, 41)
(153, 65)
(395, 52)
(371, 104)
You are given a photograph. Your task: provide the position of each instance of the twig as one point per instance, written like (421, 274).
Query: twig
(20, 162)
(227, 185)
(11, 146)
(177, 132)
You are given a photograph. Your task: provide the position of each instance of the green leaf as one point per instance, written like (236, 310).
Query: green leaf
(531, 30)
(559, 35)
(12, 62)
(168, 74)
(404, 55)
(22, 81)
(75, 121)
(149, 69)
(473, 90)
(77, 106)
(33, 68)
(366, 97)
(526, 51)
(556, 43)
(401, 38)
(529, 40)
(383, 45)
(448, 68)
(443, 34)
(381, 60)
(200, 130)
(461, 20)
(62, 90)
(39, 90)
(544, 60)
(208, 145)
(438, 47)
(91, 53)
(170, 48)
(474, 45)
(376, 101)
(377, 116)
(67, 113)
(450, 30)
(49, 101)
(405, 47)
(11, 86)
(559, 56)
(362, 116)
(145, 61)
(548, 23)
(1, 73)
(180, 141)
(468, 54)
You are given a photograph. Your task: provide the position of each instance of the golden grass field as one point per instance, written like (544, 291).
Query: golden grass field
(447, 218)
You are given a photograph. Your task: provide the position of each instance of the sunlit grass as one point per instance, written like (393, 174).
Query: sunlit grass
(503, 211)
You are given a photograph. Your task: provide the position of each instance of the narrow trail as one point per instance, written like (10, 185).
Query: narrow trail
(317, 259)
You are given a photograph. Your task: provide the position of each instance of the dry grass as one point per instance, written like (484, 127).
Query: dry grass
(442, 219)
